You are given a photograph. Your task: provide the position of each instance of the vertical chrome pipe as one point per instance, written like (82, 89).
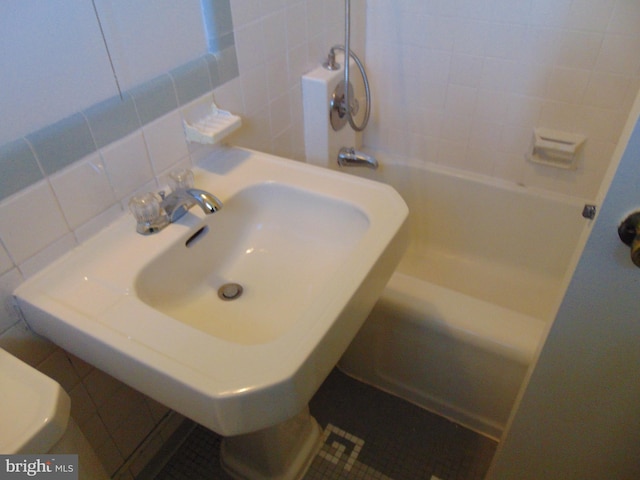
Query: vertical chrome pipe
(348, 54)
(347, 59)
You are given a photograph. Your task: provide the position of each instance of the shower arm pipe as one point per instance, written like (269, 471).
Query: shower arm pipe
(348, 53)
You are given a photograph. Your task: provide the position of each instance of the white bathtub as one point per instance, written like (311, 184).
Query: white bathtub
(462, 317)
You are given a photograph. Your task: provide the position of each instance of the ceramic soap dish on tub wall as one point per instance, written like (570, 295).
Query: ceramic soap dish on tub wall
(556, 148)
(210, 127)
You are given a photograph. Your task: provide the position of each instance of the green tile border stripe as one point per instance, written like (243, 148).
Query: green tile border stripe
(27, 160)
(19, 167)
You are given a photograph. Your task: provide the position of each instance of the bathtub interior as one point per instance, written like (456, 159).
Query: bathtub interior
(459, 357)
(505, 244)
(461, 319)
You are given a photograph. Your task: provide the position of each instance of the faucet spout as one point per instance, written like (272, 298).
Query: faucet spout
(350, 157)
(154, 211)
(178, 202)
(206, 201)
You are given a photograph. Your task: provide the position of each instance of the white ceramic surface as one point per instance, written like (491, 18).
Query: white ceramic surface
(312, 248)
(245, 243)
(34, 408)
(461, 319)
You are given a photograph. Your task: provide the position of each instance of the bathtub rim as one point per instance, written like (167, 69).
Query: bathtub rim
(389, 159)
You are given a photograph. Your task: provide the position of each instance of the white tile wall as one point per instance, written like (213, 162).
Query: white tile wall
(5, 261)
(44, 257)
(9, 281)
(470, 79)
(83, 190)
(35, 205)
(127, 164)
(166, 142)
(277, 41)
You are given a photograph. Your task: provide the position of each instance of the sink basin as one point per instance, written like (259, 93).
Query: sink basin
(311, 250)
(245, 244)
(35, 408)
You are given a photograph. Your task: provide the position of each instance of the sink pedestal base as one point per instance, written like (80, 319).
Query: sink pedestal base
(281, 452)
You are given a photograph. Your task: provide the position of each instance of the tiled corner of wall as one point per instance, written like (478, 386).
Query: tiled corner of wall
(276, 43)
(114, 418)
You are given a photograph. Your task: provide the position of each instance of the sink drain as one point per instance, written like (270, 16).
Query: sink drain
(230, 291)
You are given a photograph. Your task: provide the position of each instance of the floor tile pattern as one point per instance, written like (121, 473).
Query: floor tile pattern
(367, 435)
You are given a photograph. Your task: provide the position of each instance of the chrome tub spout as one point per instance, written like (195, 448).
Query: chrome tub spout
(350, 157)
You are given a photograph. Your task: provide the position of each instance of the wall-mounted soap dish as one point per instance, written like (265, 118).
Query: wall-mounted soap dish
(555, 148)
(212, 127)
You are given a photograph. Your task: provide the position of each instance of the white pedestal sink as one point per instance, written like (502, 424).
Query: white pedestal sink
(312, 250)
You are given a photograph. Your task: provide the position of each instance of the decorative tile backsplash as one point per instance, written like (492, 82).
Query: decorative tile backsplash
(49, 150)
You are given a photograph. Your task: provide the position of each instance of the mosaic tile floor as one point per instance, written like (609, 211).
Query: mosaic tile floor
(367, 434)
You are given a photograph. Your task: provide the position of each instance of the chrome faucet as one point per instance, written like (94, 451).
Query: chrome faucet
(154, 211)
(350, 157)
(179, 201)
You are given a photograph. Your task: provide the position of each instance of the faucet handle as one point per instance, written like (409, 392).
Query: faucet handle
(181, 179)
(148, 212)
